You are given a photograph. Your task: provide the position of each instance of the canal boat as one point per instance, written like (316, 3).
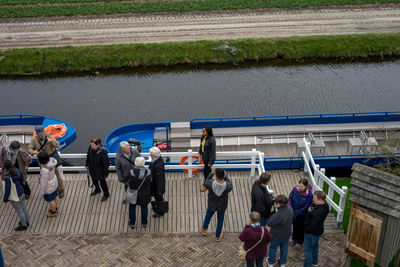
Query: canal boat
(21, 127)
(336, 140)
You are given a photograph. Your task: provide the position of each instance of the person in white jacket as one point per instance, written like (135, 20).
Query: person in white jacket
(48, 182)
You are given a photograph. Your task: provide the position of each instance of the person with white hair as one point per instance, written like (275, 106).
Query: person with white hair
(125, 161)
(139, 179)
(157, 168)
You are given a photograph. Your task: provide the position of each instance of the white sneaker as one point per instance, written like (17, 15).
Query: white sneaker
(282, 265)
(269, 265)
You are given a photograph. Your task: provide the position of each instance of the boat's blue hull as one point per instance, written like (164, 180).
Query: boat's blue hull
(145, 131)
(34, 120)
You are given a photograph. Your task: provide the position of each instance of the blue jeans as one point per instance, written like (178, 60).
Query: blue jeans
(220, 220)
(132, 214)
(311, 249)
(1, 259)
(264, 221)
(259, 262)
(273, 247)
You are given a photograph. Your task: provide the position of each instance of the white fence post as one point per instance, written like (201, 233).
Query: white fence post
(320, 180)
(253, 162)
(330, 189)
(342, 205)
(190, 163)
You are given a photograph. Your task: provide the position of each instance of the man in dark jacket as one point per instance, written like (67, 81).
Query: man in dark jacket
(261, 200)
(314, 228)
(158, 172)
(218, 190)
(125, 161)
(97, 162)
(139, 179)
(281, 229)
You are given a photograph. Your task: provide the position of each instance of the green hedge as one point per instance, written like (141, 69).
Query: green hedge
(86, 58)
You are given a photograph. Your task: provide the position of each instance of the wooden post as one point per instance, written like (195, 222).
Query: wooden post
(330, 190)
(342, 205)
(190, 162)
(253, 162)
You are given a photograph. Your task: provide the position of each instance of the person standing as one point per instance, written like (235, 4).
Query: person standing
(45, 142)
(314, 228)
(261, 199)
(20, 160)
(139, 179)
(256, 239)
(207, 152)
(125, 161)
(218, 190)
(281, 228)
(300, 199)
(48, 182)
(97, 162)
(158, 183)
(14, 192)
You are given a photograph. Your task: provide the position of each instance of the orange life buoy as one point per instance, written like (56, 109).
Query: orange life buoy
(56, 130)
(183, 160)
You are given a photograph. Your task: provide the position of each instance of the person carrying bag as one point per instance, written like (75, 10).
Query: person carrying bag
(256, 239)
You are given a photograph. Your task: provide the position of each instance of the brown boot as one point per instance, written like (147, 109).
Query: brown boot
(51, 213)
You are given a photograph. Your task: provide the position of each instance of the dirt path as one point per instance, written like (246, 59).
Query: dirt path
(149, 28)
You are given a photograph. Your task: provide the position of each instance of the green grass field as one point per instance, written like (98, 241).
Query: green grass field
(35, 8)
(89, 58)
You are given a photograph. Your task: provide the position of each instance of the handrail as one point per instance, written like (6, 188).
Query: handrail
(355, 114)
(257, 161)
(318, 178)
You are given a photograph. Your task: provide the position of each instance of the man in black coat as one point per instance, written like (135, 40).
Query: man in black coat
(261, 200)
(97, 162)
(314, 228)
(158, 183)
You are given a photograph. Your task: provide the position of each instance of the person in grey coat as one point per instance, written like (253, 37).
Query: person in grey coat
(218, 190)
(281, 229)
(125, 161)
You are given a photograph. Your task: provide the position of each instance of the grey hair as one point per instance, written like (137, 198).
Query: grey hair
(139, 162)
(255, 217)
(155, 151)
(123, 144)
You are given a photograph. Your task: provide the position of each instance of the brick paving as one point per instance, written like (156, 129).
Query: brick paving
(143, 249)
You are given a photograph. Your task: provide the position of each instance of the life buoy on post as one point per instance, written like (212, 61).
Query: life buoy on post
(183, 161)
(55, 130)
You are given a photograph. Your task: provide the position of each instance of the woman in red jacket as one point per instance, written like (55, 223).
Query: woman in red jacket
(252, 233)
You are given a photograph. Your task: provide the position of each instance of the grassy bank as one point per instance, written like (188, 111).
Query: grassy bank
(84, 7)
(78, 59)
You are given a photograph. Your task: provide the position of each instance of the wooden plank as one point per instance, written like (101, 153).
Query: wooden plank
(368, 219)
(359, 251)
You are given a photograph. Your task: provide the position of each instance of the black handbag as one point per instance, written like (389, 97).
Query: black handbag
(160, 207)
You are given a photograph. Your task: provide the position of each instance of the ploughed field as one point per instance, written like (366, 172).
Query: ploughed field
(54, 8)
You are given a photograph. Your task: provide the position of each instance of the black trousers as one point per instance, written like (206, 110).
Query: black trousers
(206, 171)
(103, 185)
(27, 190)
(158, 198)
(298, 229)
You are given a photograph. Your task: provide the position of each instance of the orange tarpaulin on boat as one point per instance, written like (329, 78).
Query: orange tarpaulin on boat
(56, 130)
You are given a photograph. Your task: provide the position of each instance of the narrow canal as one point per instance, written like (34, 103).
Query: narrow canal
(96, 104)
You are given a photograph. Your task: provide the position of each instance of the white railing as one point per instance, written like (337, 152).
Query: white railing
(318, 179)
(256, 163)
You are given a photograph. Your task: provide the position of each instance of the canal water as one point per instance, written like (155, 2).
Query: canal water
(96, 104)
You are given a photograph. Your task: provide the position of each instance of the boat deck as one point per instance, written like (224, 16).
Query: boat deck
(82, 214)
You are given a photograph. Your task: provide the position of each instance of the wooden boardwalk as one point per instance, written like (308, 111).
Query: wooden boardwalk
(89, 232)
(82, 214)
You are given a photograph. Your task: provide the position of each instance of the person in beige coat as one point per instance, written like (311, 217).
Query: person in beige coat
(20, 160)
(45, 142)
